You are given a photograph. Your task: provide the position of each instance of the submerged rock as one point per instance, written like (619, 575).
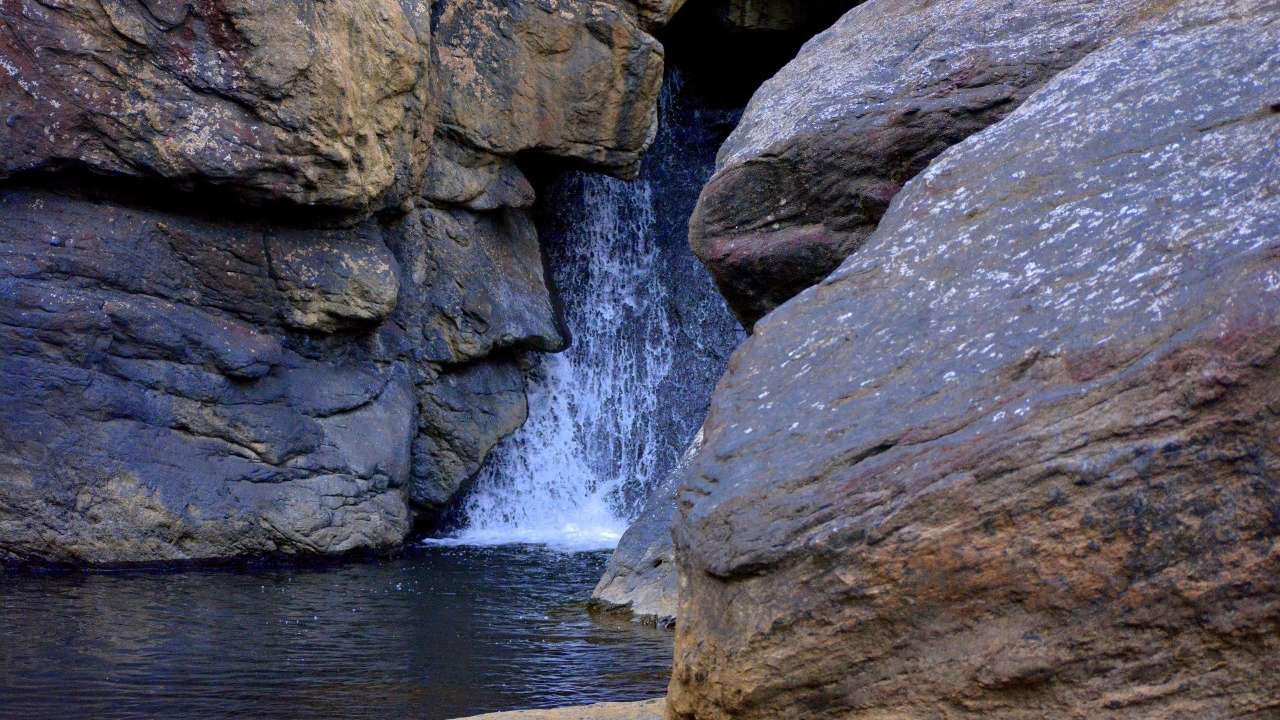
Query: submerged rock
(646, 710)
(641, 576)
(1020, 455)
(826, 143)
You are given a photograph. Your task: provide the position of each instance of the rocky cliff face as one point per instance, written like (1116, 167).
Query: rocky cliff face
(269, 266)
(827, 142)
(1018, 456)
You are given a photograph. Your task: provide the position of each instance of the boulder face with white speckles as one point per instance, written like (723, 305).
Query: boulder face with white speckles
(1019, 456)
(827, 142)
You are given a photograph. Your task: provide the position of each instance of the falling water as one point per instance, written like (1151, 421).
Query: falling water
(563, 478)
(649, 333)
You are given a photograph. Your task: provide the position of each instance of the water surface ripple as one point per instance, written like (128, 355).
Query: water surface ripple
(437, 633)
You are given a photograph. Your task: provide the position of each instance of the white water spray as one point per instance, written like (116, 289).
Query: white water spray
(569, 478)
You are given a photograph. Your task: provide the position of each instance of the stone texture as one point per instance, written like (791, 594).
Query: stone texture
(477, 283)
(641, 577)
(464, 414)
(156, 405)
(781, 16)
(316, 103)
(646, 710)
(575, 79)
(827, 142)
(1019, 457)
(188, 377)
(653, 14)
(184, 385)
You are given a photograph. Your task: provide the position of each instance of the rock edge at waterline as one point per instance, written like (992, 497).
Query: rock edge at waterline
(643, 710)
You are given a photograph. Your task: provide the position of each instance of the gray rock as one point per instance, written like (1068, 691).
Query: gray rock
(465, 411)
(333, 279)
(155, 406)
(1019, 457)
(641, 576)
(826, 143)
(181, 386)
(474, 283)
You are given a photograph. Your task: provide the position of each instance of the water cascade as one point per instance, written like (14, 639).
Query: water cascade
(649, 337)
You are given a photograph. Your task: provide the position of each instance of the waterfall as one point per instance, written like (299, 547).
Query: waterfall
(649, 336)
(562, 478)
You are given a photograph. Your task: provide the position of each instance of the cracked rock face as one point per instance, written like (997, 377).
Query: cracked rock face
(309, 102)
(825, 145)
(1019, 456)
(158, 404)
(269, 269)
(179, 386)
(576, 79)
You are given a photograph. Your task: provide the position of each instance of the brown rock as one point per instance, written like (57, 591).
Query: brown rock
(1019, 457)
(574, 79)
(333, 279)
(647, 710)
(315, 103)
(825, 144)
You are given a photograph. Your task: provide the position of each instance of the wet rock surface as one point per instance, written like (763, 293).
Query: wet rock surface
(1017, 457)
(647, 710)
(270, 268)
(826, 143)
(641, 577)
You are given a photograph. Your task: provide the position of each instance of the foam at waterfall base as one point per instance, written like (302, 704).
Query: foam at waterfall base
(576, 525)
(568, 538)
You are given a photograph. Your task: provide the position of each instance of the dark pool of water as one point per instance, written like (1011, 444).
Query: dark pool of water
(438, 633)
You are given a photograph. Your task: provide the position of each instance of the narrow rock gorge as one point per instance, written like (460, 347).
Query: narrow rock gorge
(927, 351)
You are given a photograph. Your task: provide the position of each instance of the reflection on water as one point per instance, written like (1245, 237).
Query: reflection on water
(439, 633)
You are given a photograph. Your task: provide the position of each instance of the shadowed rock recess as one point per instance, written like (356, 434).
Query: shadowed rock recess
(1019, 456)
(268, 267)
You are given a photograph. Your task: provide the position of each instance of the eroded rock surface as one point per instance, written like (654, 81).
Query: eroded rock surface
(193, 365)
(316, 103)
(575, 79)
(1019, 457)
(826, 143)
(157, 404)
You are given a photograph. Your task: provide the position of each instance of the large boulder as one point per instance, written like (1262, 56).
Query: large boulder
(316, 103)
(1019, 457)
(827, 142)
